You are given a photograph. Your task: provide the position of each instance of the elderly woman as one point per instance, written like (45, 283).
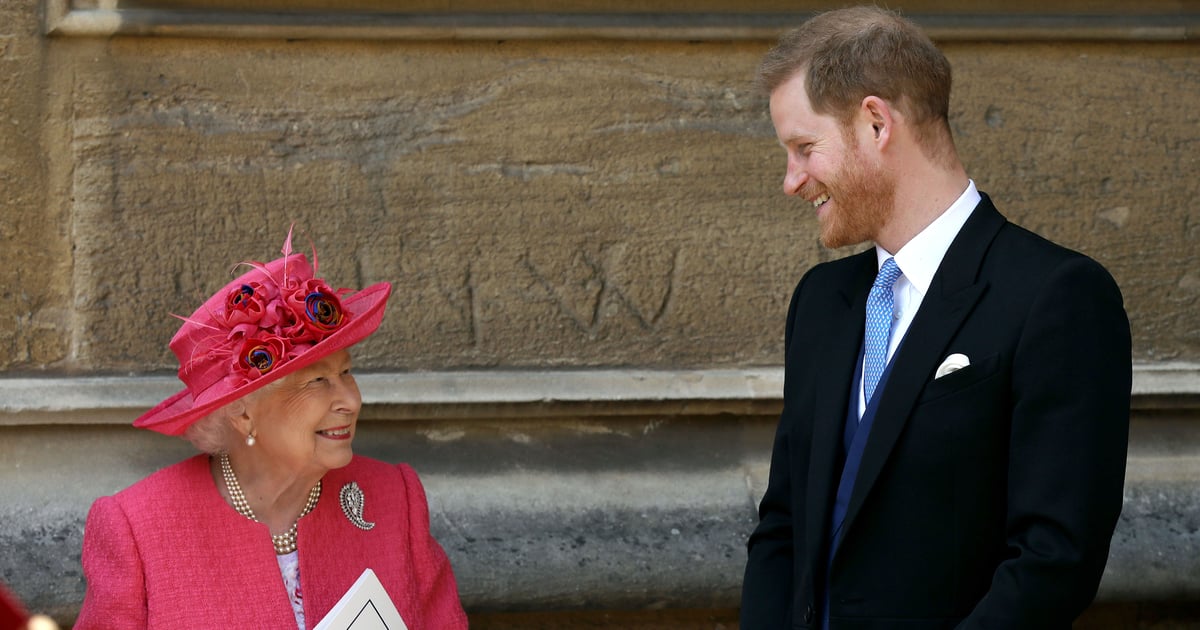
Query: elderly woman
(277, 518)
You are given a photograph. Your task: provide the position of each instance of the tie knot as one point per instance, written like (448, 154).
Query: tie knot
(888, 274)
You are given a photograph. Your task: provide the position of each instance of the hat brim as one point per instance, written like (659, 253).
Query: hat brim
(175, 414)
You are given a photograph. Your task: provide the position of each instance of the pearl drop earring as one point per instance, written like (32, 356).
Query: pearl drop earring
(250, 439)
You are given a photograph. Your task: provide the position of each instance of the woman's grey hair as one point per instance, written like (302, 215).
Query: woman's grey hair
(214, 433)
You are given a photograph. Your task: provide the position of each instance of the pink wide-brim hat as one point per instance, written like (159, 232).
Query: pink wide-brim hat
(270, 322)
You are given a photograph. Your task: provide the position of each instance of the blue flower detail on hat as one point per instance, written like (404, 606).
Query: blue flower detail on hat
(240, 296)
(324, 310)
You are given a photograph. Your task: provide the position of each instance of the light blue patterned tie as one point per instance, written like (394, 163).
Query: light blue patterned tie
(879, 326)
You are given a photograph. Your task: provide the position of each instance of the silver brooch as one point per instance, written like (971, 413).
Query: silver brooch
(351, 498)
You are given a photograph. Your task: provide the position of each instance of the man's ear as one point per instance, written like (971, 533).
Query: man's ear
(876, 114)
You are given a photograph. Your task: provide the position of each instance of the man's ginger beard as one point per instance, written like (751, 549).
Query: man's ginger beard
(864, 197)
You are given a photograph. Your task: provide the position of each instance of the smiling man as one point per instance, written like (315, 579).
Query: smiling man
(951, 451)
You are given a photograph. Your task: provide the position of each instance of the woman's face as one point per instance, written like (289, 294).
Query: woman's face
(305, 422)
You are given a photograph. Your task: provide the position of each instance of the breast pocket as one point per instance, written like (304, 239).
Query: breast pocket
(961, 380)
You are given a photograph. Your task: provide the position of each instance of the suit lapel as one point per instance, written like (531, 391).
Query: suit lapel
(839, 355)
(953, 293)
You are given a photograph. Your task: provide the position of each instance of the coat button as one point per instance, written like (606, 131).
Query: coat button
(808, 614)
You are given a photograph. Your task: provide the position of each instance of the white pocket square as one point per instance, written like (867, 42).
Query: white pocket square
(953, 363)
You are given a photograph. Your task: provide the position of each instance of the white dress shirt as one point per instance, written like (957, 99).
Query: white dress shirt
(918, 260)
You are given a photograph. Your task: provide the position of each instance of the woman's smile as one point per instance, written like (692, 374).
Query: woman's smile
(337, 433)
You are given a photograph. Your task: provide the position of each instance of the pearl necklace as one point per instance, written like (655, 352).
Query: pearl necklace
(284, 543)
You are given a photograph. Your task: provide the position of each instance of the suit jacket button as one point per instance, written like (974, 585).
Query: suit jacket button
(808, 614)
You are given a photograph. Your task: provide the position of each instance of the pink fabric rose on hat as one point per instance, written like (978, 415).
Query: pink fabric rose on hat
(260, 355)
(316, 311)
(250, 307)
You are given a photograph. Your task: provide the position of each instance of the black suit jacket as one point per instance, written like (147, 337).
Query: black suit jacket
(986, 498)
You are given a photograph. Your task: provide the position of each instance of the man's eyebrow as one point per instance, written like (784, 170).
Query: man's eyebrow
(795, 138)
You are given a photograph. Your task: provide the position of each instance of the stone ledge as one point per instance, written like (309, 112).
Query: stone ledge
(667, 26)
(507, 393)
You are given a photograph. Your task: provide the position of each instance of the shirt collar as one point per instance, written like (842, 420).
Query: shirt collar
(920, 258)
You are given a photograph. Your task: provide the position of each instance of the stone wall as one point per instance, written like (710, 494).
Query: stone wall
(591, 259)
(536, 203)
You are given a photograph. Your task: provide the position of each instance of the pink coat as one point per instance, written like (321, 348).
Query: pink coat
(168, 552)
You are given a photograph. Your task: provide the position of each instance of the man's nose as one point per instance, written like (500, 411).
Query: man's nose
(795, 178)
